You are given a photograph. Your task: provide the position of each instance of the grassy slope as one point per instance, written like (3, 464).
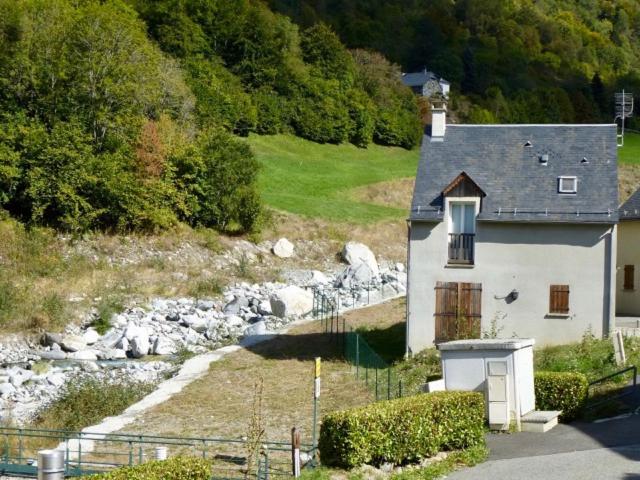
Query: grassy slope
(315, 180)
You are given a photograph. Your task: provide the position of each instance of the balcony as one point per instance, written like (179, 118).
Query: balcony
(461, 248)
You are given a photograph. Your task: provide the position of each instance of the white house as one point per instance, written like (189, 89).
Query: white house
(628, 262)
(513, 230)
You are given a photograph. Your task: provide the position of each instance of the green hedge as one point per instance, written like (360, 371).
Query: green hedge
(176, 468)
(402, 430)
(564, 391)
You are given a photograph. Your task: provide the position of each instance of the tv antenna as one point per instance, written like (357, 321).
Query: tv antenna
(624, 109)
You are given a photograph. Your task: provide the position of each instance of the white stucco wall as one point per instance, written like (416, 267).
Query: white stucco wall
(525, 257)
(628, 301)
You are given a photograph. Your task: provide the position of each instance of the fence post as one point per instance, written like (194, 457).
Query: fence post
(399, 388)
(357, 355)
(376, 384)
(295, 452)
(389, 383)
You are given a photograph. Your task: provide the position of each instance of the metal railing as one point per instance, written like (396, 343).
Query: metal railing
(461, 247)
(622, 392)
(87, 453)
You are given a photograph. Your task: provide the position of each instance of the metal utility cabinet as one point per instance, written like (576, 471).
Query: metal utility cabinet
(501, 368)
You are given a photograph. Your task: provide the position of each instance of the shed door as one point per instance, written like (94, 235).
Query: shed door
(458, 310)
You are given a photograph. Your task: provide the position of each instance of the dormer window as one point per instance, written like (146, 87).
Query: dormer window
(568, 185)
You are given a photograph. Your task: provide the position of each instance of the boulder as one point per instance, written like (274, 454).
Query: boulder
(355, 253)
(123, 344)
(140, 346)
(73, 343)
(53, 355)
(354, 276)
(6, 389)
(56, 379)
(85, 355)
(90, 336)
(111, 354)
(258, 328)
(291, 300)
(163, 346)
(132, 331)
(111, 338)
(49, 339)
(318, 278)
(196, 322)
(283, 248)
(235, 305)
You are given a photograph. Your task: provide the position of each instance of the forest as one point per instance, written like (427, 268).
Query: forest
(510, 61)
(125, 116)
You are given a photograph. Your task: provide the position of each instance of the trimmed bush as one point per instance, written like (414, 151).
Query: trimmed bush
(564, 391)
(177, 468)
(402, 430)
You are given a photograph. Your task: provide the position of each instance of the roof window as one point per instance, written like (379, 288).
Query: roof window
(567, 184)
(544, 158)
(584, 160)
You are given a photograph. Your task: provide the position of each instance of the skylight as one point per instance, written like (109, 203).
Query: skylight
(567, 185)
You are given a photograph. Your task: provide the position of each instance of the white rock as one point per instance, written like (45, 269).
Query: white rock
(56, 379)
(355, 275)
(199, 324)
(400, 267)
(283, 248)
(140, 346)
(111, 338)
(6, 389)
(291, 300)
(233, 321)
(90, 336)
(123, 344)
(73, 343)
(53, 355)
(258, 328)
(133, 331)
(355, 253)
(87, 355)
(163, 346)
(318, 277)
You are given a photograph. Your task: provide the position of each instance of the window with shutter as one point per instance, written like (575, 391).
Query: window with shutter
(559, 299)
(629, 271)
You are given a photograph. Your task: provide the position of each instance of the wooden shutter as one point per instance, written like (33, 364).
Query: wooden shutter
(458, 310)
(446, 310)
(629, 272)
(469, 307)
(559, 299)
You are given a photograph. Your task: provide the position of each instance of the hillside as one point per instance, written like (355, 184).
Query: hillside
(331, 182)
(530, 61)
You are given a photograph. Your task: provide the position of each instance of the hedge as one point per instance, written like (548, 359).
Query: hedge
(176, 468)
(566, 391)
(402, 430)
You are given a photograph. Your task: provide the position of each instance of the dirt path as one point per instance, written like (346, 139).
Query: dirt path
(220, 403)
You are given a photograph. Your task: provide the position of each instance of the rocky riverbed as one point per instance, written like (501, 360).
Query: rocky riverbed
(145, 335)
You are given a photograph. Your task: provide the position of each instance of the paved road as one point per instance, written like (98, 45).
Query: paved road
(581, 451)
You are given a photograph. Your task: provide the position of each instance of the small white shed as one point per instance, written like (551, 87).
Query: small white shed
(502, 368)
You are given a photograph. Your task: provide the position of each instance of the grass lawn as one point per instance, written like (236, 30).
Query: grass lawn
(316, 180)
(630, 153)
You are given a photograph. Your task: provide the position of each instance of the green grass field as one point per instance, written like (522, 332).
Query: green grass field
(316, 180)
(630, 153)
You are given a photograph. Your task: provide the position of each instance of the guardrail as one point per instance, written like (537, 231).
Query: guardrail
(87, 452)
(602, 380)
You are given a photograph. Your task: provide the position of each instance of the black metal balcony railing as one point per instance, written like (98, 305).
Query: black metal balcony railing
(461, 247)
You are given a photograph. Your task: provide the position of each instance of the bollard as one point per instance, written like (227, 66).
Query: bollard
(50, 465)
(161, 453)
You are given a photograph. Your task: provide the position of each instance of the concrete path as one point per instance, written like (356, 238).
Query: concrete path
(603, 450)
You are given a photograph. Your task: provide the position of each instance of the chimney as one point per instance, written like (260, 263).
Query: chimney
(438, 119)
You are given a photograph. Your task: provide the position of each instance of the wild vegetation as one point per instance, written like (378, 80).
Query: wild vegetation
(530, 61)
(122, 115)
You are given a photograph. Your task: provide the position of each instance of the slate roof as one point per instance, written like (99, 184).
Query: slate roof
(518, 187)
(630, 210)
(418, 79)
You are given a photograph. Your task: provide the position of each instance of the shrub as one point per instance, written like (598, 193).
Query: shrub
(564, 391)
(176, 468)
(402, 430)
(86, 401)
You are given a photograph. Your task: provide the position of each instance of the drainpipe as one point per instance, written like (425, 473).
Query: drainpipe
(407, 352)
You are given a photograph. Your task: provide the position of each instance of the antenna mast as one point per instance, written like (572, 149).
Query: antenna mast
(624, 109)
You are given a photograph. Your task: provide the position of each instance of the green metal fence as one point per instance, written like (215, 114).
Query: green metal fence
(87, 453)
(370, 368)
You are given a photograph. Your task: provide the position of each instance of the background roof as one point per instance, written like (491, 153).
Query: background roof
(518, 186)
(630, 210)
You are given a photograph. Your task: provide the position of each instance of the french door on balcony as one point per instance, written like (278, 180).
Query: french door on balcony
(462, 232)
